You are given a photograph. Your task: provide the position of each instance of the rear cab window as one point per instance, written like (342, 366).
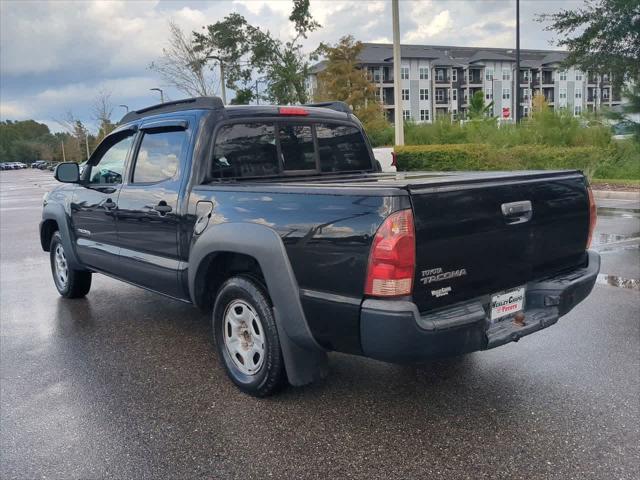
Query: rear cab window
(270, 148)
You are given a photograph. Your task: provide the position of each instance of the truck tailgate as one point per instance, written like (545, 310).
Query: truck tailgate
(485, 237)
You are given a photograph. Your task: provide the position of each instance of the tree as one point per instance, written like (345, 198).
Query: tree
(477, 108)
(102, 111)
(183, 66)
(25, 141)
(603, 36)
(227, 42)
(344, 80)
(284, 64)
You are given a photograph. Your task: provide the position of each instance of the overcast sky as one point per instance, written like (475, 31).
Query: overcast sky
(57, 56)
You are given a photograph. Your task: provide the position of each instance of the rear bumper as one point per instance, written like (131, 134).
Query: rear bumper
(394, 331)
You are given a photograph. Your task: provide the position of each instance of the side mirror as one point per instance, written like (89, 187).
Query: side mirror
(67, 172)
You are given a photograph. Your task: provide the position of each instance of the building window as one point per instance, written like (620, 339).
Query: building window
(454, 75)
(525, 111)
(424, 94)
(488, 74)
(526, 93)
(578, 94)
(605, 77)
(506, 74)
(424, 115)
(563, 94)
(439, 75)
(454, 94)
(605, 93)
(525, 76)
(506, 93)
(439, 95)
(424, 73)
(406, 114)
(563, 75)
(405, 94)
(489, 94)
(578, 76)
(577, 110)
(455, 114)
(404, 73)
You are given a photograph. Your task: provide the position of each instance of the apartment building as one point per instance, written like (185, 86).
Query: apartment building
(439, 81)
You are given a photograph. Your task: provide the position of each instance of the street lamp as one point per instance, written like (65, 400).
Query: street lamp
(161, 93)
(125, 107)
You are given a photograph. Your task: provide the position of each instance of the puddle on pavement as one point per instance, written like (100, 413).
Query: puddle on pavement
(619, 212)
(620, 282)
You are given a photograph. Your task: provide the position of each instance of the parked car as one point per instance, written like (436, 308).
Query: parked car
(277, 221)
(38, 164)
(52, 166)
(4, 166)
(21, 165)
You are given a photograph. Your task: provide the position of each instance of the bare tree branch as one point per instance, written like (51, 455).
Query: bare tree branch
(184, 68)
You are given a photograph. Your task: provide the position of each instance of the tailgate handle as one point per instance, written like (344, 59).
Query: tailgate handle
(517, 212)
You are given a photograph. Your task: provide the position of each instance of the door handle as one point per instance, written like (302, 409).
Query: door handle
(109, 204)
(517, 212)
(162, 208)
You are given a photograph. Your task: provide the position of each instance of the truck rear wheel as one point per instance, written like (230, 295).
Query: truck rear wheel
(70, 283)
(246, 337)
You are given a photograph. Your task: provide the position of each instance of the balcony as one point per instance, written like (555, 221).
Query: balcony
(445, 79)
(442, 100)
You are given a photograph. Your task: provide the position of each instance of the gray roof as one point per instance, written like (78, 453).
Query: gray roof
(554, 57)
(491, 56)
(382, 53)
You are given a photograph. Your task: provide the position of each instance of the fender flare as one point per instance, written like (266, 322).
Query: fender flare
(55, 211)
(305, 360)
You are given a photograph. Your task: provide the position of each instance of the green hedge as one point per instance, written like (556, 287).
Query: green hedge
(484, 157)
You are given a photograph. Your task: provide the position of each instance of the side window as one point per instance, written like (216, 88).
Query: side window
(245, 150)
(110, 167)
(296, 144)
(342, 148)
(159, 156)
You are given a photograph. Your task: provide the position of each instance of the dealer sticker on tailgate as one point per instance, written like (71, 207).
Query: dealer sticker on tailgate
(507, 303)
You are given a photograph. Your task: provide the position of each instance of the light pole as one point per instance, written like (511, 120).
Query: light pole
(126, 107)
(516, 113)
(223, 91)
(397, 94)
(161, 93)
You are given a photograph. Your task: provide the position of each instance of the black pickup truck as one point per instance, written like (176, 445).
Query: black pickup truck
(278, 221)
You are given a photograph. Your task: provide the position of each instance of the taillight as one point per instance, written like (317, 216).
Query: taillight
(394, 159)
(393, 257)
(297, 111)
(593, 216)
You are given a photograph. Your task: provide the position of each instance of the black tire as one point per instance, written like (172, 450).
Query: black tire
(78, 282)
(240, 292)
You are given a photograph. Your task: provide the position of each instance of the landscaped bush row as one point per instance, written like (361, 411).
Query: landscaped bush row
(614, 161)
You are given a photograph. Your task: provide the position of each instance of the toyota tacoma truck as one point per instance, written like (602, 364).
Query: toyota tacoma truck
(278, 222)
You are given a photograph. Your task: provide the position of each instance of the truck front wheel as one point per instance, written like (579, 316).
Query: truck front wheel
(246, 337)
(69, 282)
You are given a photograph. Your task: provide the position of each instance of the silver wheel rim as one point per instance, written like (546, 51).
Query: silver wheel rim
(60, 267)
(244, 337)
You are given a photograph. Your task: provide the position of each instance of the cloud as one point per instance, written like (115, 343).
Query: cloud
(57, 55)
(439, 23)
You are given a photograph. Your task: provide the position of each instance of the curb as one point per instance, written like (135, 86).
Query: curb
(615, 195)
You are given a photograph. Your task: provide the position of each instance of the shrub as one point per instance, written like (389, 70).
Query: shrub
(484, 157)
(443, 157)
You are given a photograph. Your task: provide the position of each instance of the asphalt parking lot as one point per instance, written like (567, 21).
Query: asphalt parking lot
(126, 384)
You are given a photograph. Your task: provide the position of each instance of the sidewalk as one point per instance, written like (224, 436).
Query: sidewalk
(616, 195)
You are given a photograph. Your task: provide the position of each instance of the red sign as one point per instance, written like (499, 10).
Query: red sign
(506, 112)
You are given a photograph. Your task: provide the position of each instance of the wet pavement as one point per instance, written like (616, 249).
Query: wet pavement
(125, 384)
